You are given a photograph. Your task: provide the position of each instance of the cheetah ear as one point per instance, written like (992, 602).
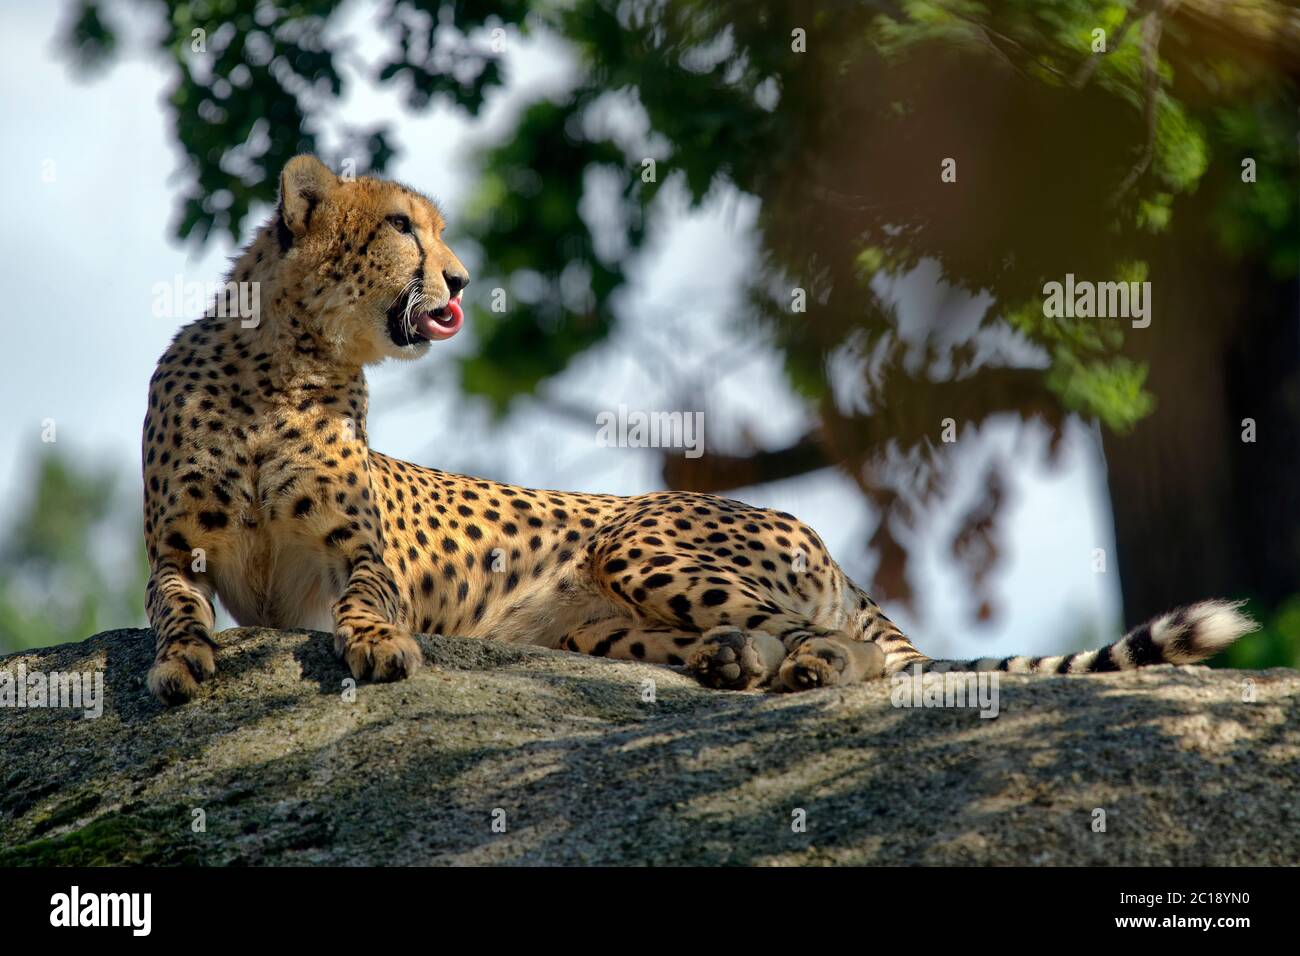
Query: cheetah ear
(304, 182)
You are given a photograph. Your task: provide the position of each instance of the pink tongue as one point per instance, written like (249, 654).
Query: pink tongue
(441, 328)
(454, 314)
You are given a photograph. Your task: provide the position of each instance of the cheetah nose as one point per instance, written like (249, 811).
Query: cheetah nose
(456, 281)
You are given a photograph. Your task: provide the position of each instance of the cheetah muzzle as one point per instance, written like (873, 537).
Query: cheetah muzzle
(411, 320)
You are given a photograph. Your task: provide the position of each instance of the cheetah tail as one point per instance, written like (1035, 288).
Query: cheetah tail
(1183, 636)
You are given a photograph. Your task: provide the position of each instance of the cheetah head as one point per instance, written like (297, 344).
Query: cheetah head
(366, 262)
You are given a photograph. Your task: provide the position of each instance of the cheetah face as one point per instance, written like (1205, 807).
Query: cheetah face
(376, 272)
(422, 310)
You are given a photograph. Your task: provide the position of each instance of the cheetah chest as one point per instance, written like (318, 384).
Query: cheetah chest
(270, 576)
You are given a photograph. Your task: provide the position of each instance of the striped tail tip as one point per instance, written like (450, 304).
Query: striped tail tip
(1186, 635)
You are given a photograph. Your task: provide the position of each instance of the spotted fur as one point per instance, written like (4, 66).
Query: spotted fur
(261, 488)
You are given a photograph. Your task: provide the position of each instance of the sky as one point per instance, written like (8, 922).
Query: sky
(86, 236)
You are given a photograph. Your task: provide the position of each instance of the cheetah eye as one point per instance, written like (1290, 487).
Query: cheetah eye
(401, 223)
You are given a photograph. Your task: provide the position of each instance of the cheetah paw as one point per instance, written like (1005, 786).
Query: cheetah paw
(180, 667)
(825, 662)
(728, 658)
(379, 652)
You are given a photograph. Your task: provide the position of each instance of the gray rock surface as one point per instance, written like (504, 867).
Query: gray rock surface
(287, 770)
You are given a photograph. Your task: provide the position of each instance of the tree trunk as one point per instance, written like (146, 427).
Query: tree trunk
(1199, 511)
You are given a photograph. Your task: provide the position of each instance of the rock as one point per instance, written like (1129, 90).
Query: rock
(280, 767)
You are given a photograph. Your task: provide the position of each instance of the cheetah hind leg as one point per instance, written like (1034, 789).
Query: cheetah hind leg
(724, 657)
(730, 658)
(827, 658)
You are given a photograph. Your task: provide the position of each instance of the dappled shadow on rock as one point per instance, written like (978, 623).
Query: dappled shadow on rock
(501, 754)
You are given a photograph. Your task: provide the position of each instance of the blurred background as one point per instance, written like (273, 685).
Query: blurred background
(648, 184)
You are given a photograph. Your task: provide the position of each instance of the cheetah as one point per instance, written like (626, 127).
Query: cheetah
(260, 488)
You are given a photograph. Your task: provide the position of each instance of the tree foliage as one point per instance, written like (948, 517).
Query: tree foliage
(59, 578)
(837, 116)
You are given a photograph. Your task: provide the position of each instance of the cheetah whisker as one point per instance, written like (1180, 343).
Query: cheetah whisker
(413, 308)
(411, 282)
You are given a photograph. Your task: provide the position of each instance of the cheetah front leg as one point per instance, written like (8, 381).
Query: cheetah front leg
(368, 635)
(180, 612)
(333, 517)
